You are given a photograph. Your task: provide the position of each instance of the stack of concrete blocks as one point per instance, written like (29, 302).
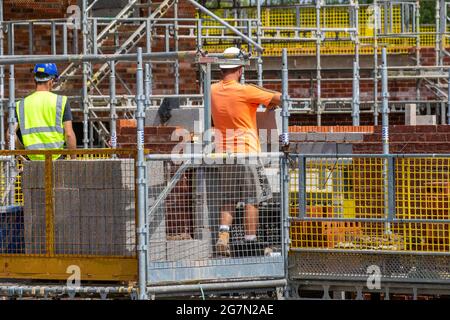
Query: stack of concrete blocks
(412, 119)
(164, 248)
(94, 207)
(34, 207)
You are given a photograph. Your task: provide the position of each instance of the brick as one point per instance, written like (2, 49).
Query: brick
(127, 131)
(126, 138)
(426, 129)
(435, 137)
(443, 128)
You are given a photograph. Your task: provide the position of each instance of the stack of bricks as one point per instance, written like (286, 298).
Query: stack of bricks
(94, 207)
(157, 139)
(163, 140)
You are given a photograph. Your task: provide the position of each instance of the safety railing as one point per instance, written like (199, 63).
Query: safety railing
(69, 212)
(396, 27)
(191, 196)
(370, 203)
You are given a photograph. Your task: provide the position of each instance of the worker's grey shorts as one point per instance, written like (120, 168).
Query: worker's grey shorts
(245, 183)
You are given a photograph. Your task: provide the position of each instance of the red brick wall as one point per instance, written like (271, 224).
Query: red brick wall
(331, 119)
(163, 74)
(408, 139)
(178, 204)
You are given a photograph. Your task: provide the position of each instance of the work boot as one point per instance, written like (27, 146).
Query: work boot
(222, 244)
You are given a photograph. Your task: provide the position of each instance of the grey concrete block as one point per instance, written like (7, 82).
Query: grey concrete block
(157, 251)
(34, 221)
(68, 174)
(124, 235)
(410, 114)
(353, 136)
(189, 118)
(127, 174)
(33, 174)
(316, 137)
(344, 148)
(323, 148)
(155, 173)
(335, 137)
(107, 222)
(67, 221)
(297, 136)
(94, 174)
(426, 120)
(188, 250)
(202, 234)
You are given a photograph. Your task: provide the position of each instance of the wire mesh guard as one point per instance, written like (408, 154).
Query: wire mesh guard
(396, 26)
(82, 207)
(358, 188)
(342, 266)
(190, 202)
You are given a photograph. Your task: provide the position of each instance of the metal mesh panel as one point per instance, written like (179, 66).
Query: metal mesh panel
(191, 202)
(82, 207)
(423, 192)
(331, 17)
(358, 188)
(336, 266)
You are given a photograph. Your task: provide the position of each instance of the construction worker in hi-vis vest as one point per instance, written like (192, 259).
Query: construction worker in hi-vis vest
(45, 119)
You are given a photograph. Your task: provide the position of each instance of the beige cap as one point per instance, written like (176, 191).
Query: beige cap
(231, 51)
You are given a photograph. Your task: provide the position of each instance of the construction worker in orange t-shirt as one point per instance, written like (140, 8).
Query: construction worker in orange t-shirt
(233, 108)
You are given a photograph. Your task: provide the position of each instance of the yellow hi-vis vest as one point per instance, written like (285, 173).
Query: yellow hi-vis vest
(40, 121)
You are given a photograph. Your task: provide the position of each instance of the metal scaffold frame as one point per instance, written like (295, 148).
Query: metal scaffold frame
(256, 34)
(386, 216)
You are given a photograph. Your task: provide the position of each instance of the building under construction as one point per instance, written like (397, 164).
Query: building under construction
(359, 181)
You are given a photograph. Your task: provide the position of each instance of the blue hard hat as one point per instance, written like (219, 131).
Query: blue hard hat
(45, 71)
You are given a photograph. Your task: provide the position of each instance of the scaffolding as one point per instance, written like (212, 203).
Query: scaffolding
(315, 28)
(396, 29)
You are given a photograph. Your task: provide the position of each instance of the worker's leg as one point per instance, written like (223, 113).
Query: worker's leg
(251, 221)
(226, 215)
(226, 219)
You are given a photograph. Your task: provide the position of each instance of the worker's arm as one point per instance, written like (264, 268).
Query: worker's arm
(275, 102)
(259, 95)
(70, 138)
(18, 143)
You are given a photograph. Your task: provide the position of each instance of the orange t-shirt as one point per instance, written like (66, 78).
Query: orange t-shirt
(233, 109)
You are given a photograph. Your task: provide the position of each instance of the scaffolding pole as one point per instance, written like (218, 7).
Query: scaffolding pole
(318, 64)
(376, 14)
(148, 67)
(84, 92)
(448, 99)
(284, 174)
(141, 229)
(113, 103)
(387, 167)
(258, 39)
(227, 25)
(176, 44)
(418, 55)
(355, 102)
(2, 82)
(385, 108)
